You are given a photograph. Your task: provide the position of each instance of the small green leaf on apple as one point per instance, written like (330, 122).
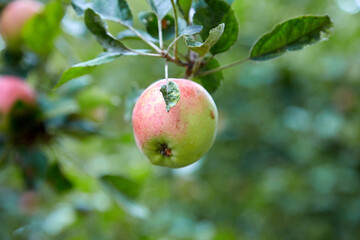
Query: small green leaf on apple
(171, 94)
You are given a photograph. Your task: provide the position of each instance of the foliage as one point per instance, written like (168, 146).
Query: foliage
(285, 164)
(219, 32)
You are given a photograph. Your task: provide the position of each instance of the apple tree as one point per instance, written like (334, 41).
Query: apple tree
(70, 158)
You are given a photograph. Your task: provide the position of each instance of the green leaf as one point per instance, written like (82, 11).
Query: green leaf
(160, 7)
(211, 81)
(149, 19)
(40, 31)
(113, 10)
(83, 68)
(182, 24)
(171, 94)
(57, 179)
(98, 27)
(128, 34)
(291, 35)
(191, 30)
(122, 185)
(211, 15)
(184, 6)
(213, 38)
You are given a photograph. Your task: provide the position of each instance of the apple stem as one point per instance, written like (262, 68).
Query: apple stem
(167, 76)
(166, 71)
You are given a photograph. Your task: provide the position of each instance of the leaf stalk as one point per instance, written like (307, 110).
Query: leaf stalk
(156, 48)
(223, 67)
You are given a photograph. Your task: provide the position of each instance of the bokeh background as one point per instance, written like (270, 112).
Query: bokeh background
(285, 164)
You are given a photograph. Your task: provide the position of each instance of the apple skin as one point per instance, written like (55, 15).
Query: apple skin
(13, 18)
(180, 137)
(13, 89)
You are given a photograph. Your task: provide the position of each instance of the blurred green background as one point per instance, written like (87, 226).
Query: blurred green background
(285, 164)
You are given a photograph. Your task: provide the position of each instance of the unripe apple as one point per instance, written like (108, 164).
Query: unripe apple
(180, 137)
(13, 18)
(13, 89)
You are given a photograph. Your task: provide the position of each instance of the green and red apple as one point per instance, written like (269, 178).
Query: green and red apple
(181, 136)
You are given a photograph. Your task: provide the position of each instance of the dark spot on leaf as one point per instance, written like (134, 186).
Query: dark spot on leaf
(164, 23)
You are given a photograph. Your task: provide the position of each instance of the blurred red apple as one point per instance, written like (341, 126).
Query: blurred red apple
(13, 18)
(180, 137)
(13, 89)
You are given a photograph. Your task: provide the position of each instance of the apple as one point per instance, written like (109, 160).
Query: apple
(13, 18)
(181, 136)
(13, 89)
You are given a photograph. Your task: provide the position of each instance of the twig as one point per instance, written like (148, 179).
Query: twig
(160, 51)
(145, 54)
(224, 67)
(172, 59)
(197, 65)
(156, 48)
(172, 43)
(161, 42)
